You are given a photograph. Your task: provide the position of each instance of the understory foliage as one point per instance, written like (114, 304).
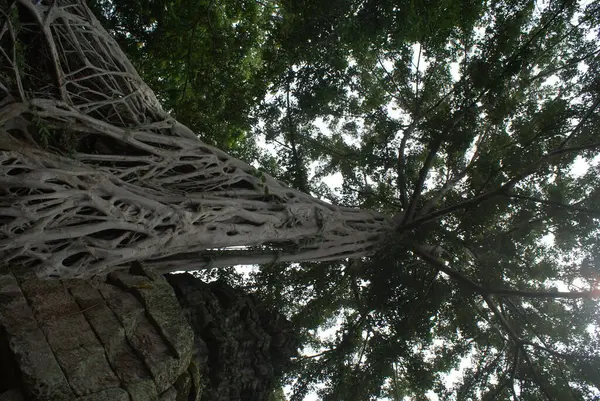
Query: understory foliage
(463, 135)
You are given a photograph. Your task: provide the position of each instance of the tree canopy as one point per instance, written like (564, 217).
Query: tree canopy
(466, 131)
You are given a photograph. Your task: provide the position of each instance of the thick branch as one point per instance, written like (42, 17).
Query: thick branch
(566, 206)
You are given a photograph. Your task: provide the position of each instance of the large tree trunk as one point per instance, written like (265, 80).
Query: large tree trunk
(137, 335)
(128, 182)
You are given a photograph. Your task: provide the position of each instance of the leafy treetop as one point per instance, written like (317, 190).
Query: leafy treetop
(462, 119)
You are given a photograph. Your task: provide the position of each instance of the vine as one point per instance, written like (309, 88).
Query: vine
(136, 184)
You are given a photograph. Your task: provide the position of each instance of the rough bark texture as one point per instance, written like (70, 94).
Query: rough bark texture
(94, 174)
(128, 338)
(246, 344)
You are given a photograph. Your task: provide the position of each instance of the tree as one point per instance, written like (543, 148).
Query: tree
(462, 182)
(390, 160)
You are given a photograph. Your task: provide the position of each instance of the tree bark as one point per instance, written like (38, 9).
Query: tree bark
(134, 184)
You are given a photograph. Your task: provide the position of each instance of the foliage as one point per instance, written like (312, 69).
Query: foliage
(203, 58)
(468, 117)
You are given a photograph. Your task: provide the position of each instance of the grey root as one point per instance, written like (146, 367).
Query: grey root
(137, 336)
(134, 184)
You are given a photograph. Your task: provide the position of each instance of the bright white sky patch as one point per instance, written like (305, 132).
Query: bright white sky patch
(334, 181)
(581, 166)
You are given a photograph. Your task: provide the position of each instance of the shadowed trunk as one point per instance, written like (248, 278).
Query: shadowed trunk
(138, 336)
